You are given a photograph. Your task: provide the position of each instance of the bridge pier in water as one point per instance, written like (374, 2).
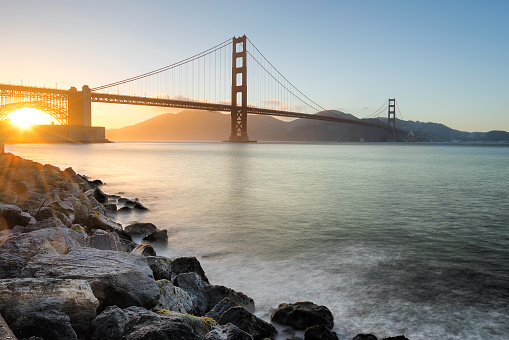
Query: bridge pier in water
(80, 106)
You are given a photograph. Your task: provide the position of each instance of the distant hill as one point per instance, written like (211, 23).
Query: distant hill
(200, 125)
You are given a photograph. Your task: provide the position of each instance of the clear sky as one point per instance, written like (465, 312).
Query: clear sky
(444, 61)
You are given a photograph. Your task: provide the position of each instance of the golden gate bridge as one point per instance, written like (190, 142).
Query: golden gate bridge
(214, 80)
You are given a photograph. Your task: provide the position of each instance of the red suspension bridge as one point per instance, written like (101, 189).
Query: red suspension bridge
(214, 80)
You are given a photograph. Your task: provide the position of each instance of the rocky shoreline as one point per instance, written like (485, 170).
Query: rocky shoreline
(69, 271)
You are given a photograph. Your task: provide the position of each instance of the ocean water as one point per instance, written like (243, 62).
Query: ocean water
(392, 238)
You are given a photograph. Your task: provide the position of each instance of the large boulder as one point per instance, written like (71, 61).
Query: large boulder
(16, 250)
(135, 323)
(174, 298)
(97, 220)
(140, 229)
(164, 268)
(302, 315)
(49, 324)
(74, 298)
(105, 240)
(116, 278)
(319, 332)
(205, 296)
(227, 311)
(158, 236)
(11, 216)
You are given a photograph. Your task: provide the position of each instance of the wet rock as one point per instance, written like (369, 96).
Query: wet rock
(174, 298)
(19, 297)
(116, 278)
(164, 268)
(159, 236)
(140, 229)
(124, 210)
(364, 337)
(205, 296)
(111, 207)
(144, 250)
(139, 206)
(319, 332)
(227, 311)
(97, 182)
(11, 216)
(302, 315)
(48, 324)
(98, 194)
(227, 332)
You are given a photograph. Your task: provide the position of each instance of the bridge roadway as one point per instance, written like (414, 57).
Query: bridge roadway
(135, 100)
(28, 91)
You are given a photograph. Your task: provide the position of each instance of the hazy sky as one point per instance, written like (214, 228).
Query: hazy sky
(444, 61)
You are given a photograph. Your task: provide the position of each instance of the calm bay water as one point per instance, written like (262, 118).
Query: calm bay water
(394, 239)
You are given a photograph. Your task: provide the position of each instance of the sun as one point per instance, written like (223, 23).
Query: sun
(27, 116)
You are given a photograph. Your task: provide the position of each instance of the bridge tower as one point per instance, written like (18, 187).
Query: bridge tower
(80, 107)
(239, 91)
(391, 120)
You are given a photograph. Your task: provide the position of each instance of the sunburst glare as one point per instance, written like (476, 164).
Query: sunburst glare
(27, 116)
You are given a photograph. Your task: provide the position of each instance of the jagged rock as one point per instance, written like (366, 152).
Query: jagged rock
(160, 236)
(319, 332)
(16, 250)
(11, 216)
(173, 298)
(135, 323)
(144, 250)
(140, 229)
(164, 268)
(105, 240)
(109, 325)
(111, 207)
(364, 337)
(50, 324)
(205, 296)
(302, 315)
(19, 297)
(116, 278)
(98, 194)
(227, 311)
(99, 221)
(227, 332)
(5, 330)
(139, 206)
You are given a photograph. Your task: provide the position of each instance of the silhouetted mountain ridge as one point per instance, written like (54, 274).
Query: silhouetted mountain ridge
(196, 125)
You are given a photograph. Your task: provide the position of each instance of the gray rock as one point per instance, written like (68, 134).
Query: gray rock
(173, 298)
(205, 296)
(302, 315)
(99, 221)
(50, 324)
(158, 236)
(164, 268)
(11, 216)
(319, 332)
(227, 332)
(16, 250)
(98, 194)
(109, 325)
(105, 240)
(19, 297)
(140, 229)
(116, 278)
(228, 311)
(144, 250)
